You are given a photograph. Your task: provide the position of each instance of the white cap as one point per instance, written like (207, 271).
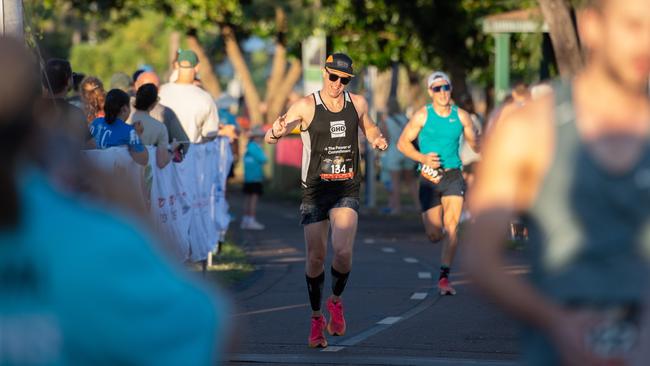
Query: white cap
(437, 75)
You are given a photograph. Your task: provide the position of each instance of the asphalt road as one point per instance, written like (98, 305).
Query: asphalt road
(394, 315)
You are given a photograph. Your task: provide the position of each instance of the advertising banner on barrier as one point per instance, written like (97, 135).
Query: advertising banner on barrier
(187, 199)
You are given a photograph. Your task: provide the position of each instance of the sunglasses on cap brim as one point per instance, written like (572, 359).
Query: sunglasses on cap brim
(334, 77)
(438, 88)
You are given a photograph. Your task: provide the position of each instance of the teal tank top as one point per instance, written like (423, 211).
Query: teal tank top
(441, 135)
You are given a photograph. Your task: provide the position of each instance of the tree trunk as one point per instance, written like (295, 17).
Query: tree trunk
(251, 96)
(457, 74)
(284, 90)
(417, 94)
(208, 77)
(174, 45)
(565, 42)
(394, 80)
(381, 90)
(279, 57)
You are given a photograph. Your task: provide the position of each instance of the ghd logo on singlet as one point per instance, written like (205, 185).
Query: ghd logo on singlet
(337, 128)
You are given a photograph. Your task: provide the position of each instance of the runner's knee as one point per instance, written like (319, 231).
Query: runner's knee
(316, 261)
(435, 235)
(451, 226)
(343, 255)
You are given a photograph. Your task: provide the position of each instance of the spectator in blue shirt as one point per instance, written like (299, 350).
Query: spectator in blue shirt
(111, 130)
(254, 160)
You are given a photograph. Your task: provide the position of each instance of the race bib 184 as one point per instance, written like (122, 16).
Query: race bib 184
(336, 168)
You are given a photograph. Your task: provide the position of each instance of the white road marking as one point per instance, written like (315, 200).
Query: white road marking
(390, 320)
(368, 241)
(419, 296)
(410, 260)
(424, 275)
(388, 250)
(333, 349)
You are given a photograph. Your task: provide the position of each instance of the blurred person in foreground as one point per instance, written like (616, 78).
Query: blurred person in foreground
(577, 163)
(112, 130)
(81, 283)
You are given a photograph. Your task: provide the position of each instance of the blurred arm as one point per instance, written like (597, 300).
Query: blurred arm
(512, 163)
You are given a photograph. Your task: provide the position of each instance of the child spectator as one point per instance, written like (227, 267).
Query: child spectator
(254, 160)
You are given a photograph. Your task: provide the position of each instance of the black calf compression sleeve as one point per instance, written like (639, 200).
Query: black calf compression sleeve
(315, 289)
(339, 280)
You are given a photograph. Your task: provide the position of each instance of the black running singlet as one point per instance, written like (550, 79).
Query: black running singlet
(330, 152)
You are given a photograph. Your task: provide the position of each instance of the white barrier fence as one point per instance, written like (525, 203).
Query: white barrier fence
(187, 200)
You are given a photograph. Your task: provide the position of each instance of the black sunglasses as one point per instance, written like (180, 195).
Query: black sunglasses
(334, 77)
(438, 88)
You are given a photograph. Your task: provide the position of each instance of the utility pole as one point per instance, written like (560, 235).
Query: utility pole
(11, 18)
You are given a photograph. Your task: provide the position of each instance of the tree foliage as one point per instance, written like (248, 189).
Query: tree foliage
(143, 40)
(419, 34)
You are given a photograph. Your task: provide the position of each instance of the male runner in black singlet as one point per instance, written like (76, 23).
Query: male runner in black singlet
(329, 121)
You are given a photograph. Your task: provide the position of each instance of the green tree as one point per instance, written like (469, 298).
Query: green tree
(422, 35)
(143, 40)
(236, 19)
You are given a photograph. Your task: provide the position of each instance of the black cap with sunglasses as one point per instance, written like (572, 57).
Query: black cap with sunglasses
(334, 77)
(339, 62)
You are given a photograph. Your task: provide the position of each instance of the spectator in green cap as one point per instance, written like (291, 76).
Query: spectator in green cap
(194, 107)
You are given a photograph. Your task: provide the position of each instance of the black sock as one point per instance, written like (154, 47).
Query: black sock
(444, 272)
(339, 280)
(315, 289)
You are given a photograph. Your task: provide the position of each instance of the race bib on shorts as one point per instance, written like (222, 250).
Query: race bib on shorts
(432, 174)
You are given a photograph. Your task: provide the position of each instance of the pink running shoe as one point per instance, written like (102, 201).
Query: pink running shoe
(336, 326)
(317, 334)
(445, 288)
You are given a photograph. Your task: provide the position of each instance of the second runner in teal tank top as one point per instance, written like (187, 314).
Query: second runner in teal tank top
(441, 135)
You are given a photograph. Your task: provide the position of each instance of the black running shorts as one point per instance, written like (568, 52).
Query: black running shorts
(312, 212)
(452, 184)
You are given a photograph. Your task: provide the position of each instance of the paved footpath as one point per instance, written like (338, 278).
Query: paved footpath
(394, 314)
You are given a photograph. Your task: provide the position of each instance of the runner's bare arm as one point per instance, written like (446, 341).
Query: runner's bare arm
(509, 174)
(515, 159)
(468, 130)
(368, 126)
(284, 124)
(409, 134)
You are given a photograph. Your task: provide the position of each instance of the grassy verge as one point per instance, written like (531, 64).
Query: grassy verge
(229, 267)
